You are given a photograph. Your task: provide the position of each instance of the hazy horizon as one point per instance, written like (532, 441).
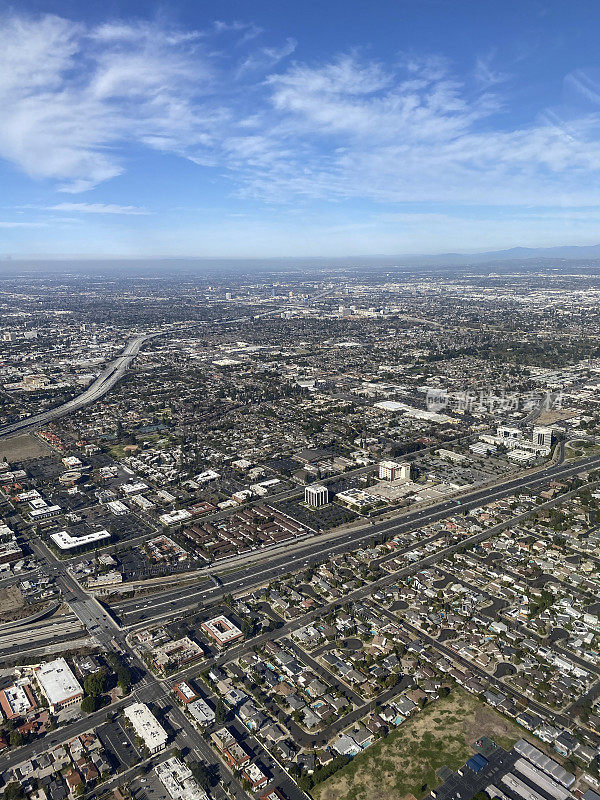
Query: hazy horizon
(314, 131)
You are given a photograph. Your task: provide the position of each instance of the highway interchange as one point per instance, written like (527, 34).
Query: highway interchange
(110, 629)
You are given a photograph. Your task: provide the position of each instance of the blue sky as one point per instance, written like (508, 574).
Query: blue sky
(286, 129)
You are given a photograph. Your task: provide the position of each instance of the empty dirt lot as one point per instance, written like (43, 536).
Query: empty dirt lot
(406, 761)
(22, 448)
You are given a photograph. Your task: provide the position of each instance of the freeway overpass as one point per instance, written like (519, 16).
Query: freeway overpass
(109, 376)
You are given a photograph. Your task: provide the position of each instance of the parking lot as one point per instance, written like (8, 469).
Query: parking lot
(322, 518)
(135, 565)
(119, 744)
(462, 787)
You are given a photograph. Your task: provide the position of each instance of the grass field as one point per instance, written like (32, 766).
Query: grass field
(579, 448)
(22, 448)
(406, 761)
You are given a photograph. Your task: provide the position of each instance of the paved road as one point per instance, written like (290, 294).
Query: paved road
(103, 384)
(139, 612)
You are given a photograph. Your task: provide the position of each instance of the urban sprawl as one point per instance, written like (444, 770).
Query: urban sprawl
(296, 535)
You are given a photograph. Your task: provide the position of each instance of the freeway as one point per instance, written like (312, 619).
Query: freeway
(365, 593)
(107, 633)
(138, 612)
(109, 376)
(150, 689)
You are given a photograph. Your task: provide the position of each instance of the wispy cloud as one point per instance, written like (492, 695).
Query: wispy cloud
(11, 224)
(99, 208)
(265, 58)
(75, 99)
(417, 133)
(486, 73)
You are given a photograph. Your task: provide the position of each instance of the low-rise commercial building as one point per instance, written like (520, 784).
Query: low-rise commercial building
(147, 727)
(222, 630)
(64, 541)
(58, 684)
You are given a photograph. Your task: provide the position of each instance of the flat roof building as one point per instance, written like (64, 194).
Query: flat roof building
(117, 508)
(16, 701)
(177, 779)
(316, 496)
(147, 727)
(393, 470)
(58, 684)
(64, 541)
(201, 712)
(222, 630)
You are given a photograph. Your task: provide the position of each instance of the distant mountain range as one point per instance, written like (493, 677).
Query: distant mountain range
(566, 252)
(527, 256)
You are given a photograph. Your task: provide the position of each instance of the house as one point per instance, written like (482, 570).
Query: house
(565, 743)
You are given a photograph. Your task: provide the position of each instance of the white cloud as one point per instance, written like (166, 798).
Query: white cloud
(11, 224)
(486, 74)
(418, 134)
(99, 208)
(75, 100)
(266, 57)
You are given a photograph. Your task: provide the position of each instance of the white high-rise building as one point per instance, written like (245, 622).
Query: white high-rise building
(542, 436)
(506, 432)
(316, 496)
(394, 470)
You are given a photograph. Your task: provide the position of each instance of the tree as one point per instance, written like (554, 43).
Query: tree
(220, 711)
(13, 791)
(95, 683)
(16, 738)
(201, 775)
(89, 704)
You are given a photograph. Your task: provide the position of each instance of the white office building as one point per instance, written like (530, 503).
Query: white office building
(393, 471)
(506, 432)
(58, 684)
(147, 727)
(542, 436)
(177, 779)
(201, 712)
(316, 496)
(64, 541)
